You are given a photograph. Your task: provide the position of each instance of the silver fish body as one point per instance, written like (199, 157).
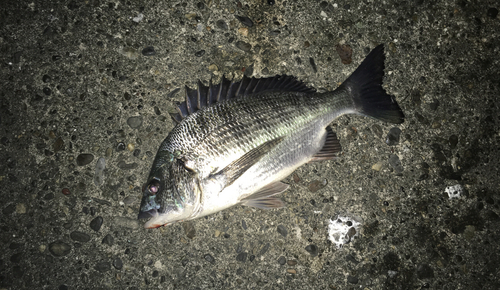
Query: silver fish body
(236, 141)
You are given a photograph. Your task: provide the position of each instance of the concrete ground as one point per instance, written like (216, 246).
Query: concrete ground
(81, 80)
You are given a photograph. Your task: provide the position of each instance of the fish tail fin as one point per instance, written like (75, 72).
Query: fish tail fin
(365, 87)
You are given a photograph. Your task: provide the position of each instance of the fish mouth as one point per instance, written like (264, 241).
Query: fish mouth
(153, 222)
(148, 214)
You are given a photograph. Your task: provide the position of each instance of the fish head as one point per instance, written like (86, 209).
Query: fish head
(170, 195)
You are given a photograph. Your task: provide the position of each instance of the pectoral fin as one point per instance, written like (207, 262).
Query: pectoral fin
(236, 168)
(264, 198)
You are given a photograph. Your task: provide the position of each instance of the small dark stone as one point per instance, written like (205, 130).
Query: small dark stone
(17, 272)
(271, 2)
(244, 224)
(103, 267)
(436, 147)
(9, 209)
(265, 248)
(200, 53)
(282, 230)
(434, 105)
(189, 229)
(492, 12)
(245, 20)
(134, 122)
(63, 287)
(396, 163)
(16, 258)
(126, 166)
(84, 159)
(72, 5)
(14, 246)
(58, 144)
(249, 71)
(453, 141)
(120, 147)
(96, 223)
(352, 259)
(59, 248)
(351, 232)
(393, 136)
(316, 185)
(200, 5)
(108, 240)
(345, 53)
(242, 257)
(243, 46)
(221, 24)
(423, 177)
(137, 152)
(421, 118)
(209, 258)
(157, 110)
(117, 263)
(148, 51)
(155, 273)
(377, 130)
(79, 237)
(313, 250)
(46, 78)
(313, 64)
(47, 91)
(352, 279)
(282, 260)
(252, 257)
(424, 271)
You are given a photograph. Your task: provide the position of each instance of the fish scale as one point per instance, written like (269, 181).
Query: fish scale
(236, 141)
(242, 132)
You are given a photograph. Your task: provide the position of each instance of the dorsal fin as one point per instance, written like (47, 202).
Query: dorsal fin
(206, 96)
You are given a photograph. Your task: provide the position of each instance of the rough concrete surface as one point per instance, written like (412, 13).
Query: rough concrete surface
(81, 80)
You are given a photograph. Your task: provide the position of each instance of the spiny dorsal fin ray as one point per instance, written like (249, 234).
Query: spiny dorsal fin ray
(206, 96)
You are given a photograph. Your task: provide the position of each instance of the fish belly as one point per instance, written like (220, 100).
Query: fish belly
(295, 150)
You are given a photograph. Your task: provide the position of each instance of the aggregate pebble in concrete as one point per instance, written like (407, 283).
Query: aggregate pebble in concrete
(88, 79)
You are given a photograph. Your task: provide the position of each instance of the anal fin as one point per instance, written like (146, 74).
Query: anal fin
(264, 198)
(330, 149)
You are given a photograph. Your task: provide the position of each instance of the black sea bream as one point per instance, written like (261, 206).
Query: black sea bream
(236, 141)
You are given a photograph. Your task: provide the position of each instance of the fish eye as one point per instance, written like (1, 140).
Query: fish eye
(154, 187)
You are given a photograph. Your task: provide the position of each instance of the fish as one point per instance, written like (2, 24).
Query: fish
(236, 141)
